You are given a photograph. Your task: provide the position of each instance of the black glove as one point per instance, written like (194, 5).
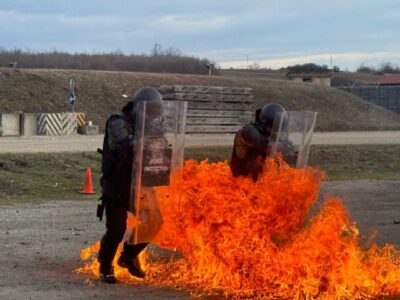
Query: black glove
(100, 208)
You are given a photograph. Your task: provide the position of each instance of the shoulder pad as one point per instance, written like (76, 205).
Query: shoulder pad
(250, 135)
(117, 129)
(116, 115)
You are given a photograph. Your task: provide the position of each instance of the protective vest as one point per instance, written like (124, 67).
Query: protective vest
(117, 160)
(249, 151)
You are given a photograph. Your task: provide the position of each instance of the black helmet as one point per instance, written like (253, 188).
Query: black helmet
(144, 94)
(147, 94)
(268, 113)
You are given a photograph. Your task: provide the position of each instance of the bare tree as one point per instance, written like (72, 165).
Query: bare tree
(169, 60)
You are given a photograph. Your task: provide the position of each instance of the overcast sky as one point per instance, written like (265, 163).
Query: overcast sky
(232, 33)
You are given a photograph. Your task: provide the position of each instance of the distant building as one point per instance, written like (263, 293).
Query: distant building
(384, 92)
(315, 78)
(389, 79)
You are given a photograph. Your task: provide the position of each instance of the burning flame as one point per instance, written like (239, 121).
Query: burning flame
(251, 239)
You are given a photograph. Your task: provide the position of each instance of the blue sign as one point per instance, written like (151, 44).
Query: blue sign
(72, 98)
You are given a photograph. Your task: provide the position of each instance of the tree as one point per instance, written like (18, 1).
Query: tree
(160, 60)
(157, 50)
(365, 69)
(388, 68)
(172, 51)
(310, 67)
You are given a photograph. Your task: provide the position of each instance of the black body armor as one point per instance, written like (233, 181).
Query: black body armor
(117, 159)
(249, 151)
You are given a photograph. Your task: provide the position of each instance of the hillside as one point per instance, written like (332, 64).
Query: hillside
(99, 94)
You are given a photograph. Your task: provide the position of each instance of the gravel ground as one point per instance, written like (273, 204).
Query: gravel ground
(91, 143)
(40, 243)
(40, 250)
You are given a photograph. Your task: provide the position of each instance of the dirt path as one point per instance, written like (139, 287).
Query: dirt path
(40, 244)
(373, 204)
(77, 143)
(40, 250)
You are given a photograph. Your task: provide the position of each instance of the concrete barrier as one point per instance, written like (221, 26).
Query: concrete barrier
(9, 124)
(81, 118)
(57, 123)
(29, 124)
(88, 130)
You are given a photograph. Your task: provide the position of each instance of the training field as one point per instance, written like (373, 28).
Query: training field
(41, 243)
(45, 222)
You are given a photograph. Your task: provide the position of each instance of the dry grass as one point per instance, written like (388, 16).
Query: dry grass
(99, 94)
(46, 176)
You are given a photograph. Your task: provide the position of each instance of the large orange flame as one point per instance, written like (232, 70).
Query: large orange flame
(254, 239)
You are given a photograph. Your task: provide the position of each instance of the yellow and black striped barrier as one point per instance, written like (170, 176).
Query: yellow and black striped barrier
(81, 119)
(57, 123)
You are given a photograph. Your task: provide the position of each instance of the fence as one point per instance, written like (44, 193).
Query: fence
(213, 109)
(383, 95)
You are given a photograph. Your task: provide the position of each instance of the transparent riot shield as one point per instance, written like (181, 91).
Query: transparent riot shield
(158, 152)
(291, 136)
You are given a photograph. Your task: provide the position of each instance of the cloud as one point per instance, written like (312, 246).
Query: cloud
(14, 18)
(229, 54)
(349, 59)
(191, 23)
(67, 32)
(274, 33)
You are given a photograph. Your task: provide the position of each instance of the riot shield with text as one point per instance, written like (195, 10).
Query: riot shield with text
(291, 136)
(158, 152)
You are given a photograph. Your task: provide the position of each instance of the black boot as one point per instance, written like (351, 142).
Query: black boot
(133, 266)
(107, 274)
(129, 259)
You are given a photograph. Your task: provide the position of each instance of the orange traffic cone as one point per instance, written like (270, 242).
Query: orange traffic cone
(88, 186)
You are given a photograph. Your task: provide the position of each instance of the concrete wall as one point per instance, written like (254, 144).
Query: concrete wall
(29, 124)
(88, 130)
(321, 81)
(9, 124)
(298, 79)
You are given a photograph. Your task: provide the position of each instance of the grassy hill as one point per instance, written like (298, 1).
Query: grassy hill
(99, 94)
(342, 78)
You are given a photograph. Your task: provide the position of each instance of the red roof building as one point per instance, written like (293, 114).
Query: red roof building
(390, 79)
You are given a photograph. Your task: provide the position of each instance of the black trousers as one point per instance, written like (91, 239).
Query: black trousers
(115, 230)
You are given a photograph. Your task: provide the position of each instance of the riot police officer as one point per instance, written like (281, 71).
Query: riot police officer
(117, 161)
(251, 143)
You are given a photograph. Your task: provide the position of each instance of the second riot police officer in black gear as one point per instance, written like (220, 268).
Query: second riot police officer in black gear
(251, 143)
(117, 161)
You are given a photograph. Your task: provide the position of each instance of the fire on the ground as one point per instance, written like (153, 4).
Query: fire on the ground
(248, 239)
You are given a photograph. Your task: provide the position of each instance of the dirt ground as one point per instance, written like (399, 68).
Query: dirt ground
(40, 243)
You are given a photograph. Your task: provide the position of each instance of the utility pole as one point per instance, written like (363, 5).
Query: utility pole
(210, 67)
